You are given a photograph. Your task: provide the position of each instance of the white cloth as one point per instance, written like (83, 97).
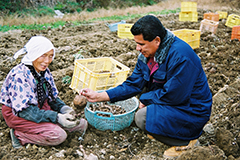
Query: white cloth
(35, 47)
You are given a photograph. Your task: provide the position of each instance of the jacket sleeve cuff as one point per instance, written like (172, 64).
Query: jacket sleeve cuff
(57, 104)
(146, 98)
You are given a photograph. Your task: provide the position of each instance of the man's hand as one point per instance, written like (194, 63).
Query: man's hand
(141, 105)
(93, 96)
(67, 120)
(89, 94)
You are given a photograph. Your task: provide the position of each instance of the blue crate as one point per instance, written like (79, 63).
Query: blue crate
(114, 26)
(114, 122)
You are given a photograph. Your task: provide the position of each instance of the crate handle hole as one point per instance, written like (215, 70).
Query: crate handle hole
(119, 67)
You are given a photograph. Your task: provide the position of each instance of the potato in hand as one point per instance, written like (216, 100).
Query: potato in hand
(80, 101)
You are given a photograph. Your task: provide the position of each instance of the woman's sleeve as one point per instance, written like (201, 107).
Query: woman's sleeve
(57, 104)
(33, 113)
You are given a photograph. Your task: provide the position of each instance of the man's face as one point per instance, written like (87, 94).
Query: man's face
(148, 49)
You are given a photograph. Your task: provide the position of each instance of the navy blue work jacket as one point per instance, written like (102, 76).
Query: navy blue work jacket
(178, 99)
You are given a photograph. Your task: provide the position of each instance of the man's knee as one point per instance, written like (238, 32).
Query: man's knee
(140, 118)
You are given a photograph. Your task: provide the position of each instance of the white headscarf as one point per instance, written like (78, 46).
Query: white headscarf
(35, 47)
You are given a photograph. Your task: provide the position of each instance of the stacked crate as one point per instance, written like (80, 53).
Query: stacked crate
(211, 16)
(124, 31)
(209, 23)
(191, 36)
(188, 12)
(233, 20)
(235, 32)
(222, 15)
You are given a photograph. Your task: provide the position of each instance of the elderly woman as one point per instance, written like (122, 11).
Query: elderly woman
(30, 103)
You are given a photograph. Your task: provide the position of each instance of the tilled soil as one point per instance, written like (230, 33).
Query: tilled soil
(220, 59)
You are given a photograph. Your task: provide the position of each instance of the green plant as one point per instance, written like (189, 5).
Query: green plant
(43, 26)
(79, 54)
(7, 7)
(68, 7)
(66, 80)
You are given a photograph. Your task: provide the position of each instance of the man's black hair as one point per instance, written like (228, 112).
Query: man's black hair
(150, 27)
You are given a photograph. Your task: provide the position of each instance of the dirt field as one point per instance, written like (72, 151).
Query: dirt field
(220, 59)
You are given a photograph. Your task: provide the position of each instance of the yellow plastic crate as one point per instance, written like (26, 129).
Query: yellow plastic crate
(192, 37)
(98, 73)
(124, 31)
(188, 6)
(233, 20)
(222, 15)
(188, 16)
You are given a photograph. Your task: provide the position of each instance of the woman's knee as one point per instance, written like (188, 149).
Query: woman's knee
(61, 135)
(52, 134)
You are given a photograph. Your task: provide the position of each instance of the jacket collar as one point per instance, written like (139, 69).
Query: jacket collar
(162, 50)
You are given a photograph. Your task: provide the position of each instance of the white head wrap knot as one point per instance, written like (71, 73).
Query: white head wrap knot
(35, 47)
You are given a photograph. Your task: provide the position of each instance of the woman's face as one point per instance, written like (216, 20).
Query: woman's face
(42, 62)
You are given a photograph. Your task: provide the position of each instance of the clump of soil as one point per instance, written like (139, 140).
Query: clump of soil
(220, 57)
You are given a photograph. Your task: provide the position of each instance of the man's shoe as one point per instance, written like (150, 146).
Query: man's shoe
(176, 151)
(15, 142)
(150, 137)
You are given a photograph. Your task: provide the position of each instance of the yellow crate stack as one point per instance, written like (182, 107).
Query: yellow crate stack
(188, 12)
(124, 31)
(191, 36)
(98, 73)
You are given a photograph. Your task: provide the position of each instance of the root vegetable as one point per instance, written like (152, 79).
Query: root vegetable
(80, 101)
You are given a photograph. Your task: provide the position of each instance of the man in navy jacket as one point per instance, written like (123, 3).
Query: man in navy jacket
(177, 100)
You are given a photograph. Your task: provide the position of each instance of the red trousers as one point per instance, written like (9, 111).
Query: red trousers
(44, 133)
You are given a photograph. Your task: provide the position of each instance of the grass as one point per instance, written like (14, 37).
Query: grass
(43, 22)
(56, 24)
(32, 26)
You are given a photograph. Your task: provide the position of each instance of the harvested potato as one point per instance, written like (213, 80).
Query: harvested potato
(80, 101)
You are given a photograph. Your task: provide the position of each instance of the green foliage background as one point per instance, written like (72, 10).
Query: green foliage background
(47, 7)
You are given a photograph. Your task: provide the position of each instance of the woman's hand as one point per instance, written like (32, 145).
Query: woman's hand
(141, 105)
